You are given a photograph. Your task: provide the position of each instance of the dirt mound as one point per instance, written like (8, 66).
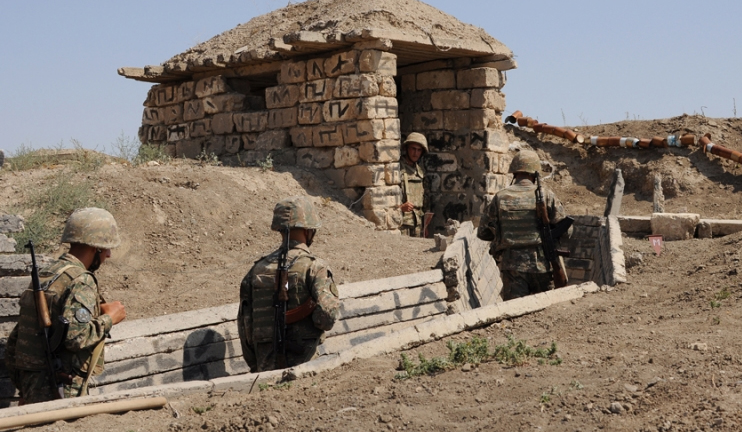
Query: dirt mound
(190, 231)
(330, 16)
(692, 180)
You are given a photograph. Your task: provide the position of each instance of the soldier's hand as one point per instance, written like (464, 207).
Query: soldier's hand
(407, 207)
(115, 310)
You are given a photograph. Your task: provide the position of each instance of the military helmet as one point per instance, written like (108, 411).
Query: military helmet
(295, 212)
(525, 161)
(417, 138)
(93, 227)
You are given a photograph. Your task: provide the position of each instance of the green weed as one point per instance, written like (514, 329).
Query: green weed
(516, 353)
(716, 320)
(151, 152)
(77, 158)
(50, 206)
(715, 304)
(208, 158)
(476, 351)
(280, 386)
(576, 385)
(201, 410)
(545, 398)
(722, 295)
(267, 164)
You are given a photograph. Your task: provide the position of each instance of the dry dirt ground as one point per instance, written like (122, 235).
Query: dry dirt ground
(659, 353)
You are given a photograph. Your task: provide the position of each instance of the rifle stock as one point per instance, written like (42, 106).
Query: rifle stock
(549, 234)
(45, 323)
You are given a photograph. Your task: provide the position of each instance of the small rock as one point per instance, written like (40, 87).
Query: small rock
(616, 408)
(698, 346)
(654, 381)
(634, 259)
(385, 418)
(467, 368)
(273, 420)
(631, 388)
(567, 417)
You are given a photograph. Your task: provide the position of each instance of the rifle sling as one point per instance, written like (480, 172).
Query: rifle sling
(93, 362)
(300, 312)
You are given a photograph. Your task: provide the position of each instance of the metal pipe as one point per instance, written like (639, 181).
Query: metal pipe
(513, 117)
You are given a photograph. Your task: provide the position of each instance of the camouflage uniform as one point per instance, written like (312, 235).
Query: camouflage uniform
(75, 296)
(71, 292)
(511, 224)
(413, 190)
(412, 222)
(310, 282)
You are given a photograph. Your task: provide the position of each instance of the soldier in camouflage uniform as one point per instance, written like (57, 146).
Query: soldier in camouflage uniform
(313, 303)
(413, 193)
(72, 292)
(510, 223)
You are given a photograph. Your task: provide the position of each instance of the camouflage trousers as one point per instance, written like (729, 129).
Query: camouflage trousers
(517, 284)
(411, 230)
(34, 386)
(262, 358)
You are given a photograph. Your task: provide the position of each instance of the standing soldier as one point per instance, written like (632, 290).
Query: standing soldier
(312, 305)
(511, 223)
(415, 200)
(72, 293)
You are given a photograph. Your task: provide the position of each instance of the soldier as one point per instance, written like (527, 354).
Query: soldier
(510, 223)
(413, 193)
(313, 301)
(72, 292)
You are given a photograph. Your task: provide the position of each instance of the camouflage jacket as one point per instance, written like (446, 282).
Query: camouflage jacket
(510, 223)
(415, 174)
(72, 292)
(308, 276)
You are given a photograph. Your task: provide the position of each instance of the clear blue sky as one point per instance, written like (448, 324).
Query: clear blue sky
(585, 61)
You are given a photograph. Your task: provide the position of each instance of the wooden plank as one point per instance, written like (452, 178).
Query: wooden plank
(174, 322)
(145, 366)
(372, 287)
(391, 300)
(169, 342)
(386, 318)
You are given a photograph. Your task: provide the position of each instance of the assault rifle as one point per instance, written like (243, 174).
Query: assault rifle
(550, 234)
(53, 336)
(280, 301)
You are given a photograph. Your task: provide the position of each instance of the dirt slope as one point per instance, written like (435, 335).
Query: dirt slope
(660, 353)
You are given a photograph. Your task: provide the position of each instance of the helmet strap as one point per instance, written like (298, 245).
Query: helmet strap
(95, 265)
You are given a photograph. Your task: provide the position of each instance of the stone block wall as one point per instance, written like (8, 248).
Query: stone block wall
(337, 114)
(460, 113)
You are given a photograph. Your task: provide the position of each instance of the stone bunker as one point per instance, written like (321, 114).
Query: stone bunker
(334, 86)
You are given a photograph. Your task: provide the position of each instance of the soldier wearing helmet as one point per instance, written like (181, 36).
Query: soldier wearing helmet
(72, 293)
(510, 224)
(313, 302)
(413, 193)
